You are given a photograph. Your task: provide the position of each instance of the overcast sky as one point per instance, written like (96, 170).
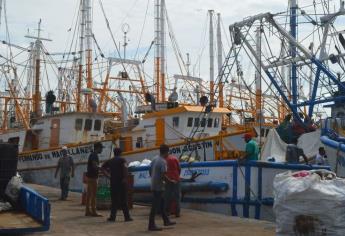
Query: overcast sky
(188, 18)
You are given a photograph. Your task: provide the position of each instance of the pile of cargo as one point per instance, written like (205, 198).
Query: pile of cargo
(309, 203)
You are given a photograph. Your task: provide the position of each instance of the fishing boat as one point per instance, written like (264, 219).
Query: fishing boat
(246, 189)
(203, 128)
(86, 111)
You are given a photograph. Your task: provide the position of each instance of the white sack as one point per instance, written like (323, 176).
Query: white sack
(309, 205)
(275, 147)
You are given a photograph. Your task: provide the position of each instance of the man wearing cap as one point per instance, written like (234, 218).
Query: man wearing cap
(252, 149)
(66, 168)
(116, 169)
(92, 179)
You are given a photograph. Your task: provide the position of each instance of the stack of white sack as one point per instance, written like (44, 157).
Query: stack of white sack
(309, 203)
(144, 162)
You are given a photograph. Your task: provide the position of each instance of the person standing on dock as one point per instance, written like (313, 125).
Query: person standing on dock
(172, 192)
(117, 168)
(252, 148)
(158, 171)
(66, 168)
(92, 179)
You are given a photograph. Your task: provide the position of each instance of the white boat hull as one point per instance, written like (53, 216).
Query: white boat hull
(237, 200)
(39, 167)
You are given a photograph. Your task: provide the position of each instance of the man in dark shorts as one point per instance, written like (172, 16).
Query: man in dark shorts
(158, 170)
(66, 168)
(117, 168)
(92, 179)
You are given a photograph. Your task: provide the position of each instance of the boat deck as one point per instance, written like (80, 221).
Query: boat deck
(17, 220)
(67, 218)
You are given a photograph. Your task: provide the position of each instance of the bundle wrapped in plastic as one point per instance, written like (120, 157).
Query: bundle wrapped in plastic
(5, 206)
(134, 164)
(309, 203)
(12, 190)
(145, 162)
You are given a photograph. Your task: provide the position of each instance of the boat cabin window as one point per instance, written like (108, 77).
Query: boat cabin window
(209, 122)
(88, 125)
(139, 143)
(196, 122)
(203, 122)
(78, 124)
(97, 125)
(216, 122)
(190, 122)
(175, 121)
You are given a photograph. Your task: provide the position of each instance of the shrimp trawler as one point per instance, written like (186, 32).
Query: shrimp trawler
(90, 108)
(205, 125)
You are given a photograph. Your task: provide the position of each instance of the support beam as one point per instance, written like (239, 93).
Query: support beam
(326, 100)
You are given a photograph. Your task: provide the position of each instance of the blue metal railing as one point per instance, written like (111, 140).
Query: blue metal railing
(251, 197)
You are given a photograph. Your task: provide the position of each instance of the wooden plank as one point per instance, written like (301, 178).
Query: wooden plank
(17, 220)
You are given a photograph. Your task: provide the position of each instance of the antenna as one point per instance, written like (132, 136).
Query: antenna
(39, 30)
(125, 30)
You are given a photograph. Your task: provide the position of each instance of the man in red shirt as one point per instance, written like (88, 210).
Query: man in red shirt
(172, 186)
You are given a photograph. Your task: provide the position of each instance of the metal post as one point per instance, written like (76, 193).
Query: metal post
(211, 50)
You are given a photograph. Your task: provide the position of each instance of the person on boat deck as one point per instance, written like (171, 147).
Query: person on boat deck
(297, 127)
(252, 148)
(116, 169)
(308, 122)
(158, 171)
(284, 129)
(92, 179)
(173, 189)
(66, 168)
(293, 153)
(321, 157)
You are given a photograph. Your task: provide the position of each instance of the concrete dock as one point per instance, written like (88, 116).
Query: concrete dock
(67, 218)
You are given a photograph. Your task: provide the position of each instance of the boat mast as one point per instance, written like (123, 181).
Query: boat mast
(81, 52)
(219, 60)
(293, 50)
(36, 55)
(211, 48)
(157, 62)
(88, 36)
(258, 92)
(163, 59)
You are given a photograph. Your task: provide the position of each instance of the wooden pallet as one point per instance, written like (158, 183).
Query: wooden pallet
(17, 220)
